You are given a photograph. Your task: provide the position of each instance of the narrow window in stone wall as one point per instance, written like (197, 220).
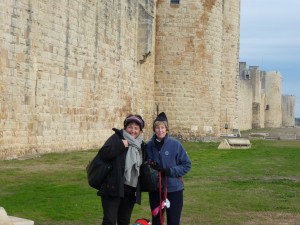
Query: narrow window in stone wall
(246, 74)
(145, 30)
(267, 107)
(175, 1)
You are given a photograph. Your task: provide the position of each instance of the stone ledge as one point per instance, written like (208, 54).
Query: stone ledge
(12, 220)
(235, 143)
(20, 221)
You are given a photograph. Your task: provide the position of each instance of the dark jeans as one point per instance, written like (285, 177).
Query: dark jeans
(117, 210)
(173, 213)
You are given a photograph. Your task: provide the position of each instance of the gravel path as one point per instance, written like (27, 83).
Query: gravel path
(276, 132)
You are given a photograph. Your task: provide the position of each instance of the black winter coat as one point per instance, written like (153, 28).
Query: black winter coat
(115, 152)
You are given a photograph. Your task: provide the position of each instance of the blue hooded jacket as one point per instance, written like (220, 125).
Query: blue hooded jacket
(171, 155)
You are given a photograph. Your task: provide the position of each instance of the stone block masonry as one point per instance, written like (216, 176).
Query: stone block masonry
(72, 70)
(195, 72)
(69, 72)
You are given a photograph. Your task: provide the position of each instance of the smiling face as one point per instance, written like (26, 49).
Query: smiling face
(160, 130)
(133, 129)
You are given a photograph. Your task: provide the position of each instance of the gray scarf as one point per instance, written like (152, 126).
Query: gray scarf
(133, 159)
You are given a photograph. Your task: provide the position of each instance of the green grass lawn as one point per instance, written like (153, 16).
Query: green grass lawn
(260, 185)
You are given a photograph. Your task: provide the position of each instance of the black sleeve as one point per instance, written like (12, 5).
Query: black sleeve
(113, 147)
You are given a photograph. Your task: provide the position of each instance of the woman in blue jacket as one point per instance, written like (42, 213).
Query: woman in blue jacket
(171, 160)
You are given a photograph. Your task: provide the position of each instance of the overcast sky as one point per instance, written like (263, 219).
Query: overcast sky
(270, 39)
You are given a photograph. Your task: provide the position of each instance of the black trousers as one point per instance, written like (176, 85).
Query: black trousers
(117, 210)
(173, 213)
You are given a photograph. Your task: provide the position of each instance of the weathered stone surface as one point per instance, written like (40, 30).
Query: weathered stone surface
(69, 72)
(224, 144)
(20, 221)
(12, 220)
(235, 143)
(4, 219)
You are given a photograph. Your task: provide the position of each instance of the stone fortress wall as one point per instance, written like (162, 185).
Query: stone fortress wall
(70, 71)
(270, 109)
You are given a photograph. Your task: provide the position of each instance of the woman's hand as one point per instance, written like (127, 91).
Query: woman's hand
(164, 171)
(125, 142)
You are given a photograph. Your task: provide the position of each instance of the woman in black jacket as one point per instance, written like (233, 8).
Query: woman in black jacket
(125, 150)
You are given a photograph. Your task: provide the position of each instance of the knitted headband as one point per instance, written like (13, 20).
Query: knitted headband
(136, 119)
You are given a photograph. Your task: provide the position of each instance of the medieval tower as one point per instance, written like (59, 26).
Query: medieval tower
(196, 65)
(288, 110)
